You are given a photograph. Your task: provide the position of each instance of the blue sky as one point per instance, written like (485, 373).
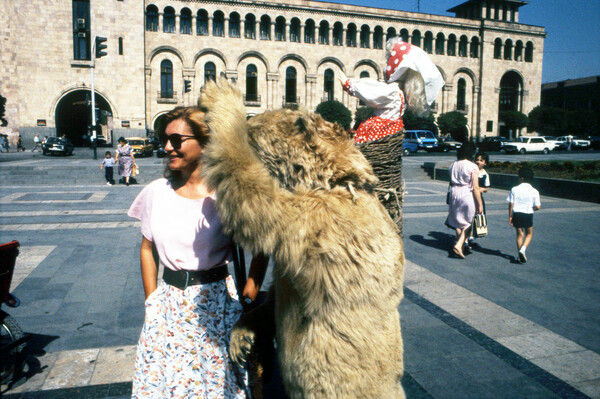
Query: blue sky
(572, 47)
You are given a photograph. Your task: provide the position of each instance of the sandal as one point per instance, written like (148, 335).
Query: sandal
(458, 253)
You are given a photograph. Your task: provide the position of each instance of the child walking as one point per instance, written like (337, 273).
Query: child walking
(108, 164)
(481, 160)
(523, 200)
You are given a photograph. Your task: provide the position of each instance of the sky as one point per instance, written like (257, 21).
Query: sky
(572, 45)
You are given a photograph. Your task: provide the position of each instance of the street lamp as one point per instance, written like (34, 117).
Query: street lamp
(98, 47)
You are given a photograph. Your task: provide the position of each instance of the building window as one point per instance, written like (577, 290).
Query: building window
(474, 50)
(290, 86)
(309, 31)
(234, 24)
(378, 37)
(508, 50)
(498, 48)
(210, 72)
(250, 27)
(265, 27)
(461, 93)
(462, 46)
(295, 30)
(324, 32)
(404, 35)
(428, 43)
(391, 33)
(519, 51)
(120, 46)
(439, 44)
(489, 126)
(152, 18)
(202, 23)
(185, 22)
(81, 30)
(451, 45)
(280, 29)
(328, 85)
(529, 52)
(251, 83)
(351, 36)
(416, 38)
(218, 24)
(338, 34)
(169, 20)
(365, 32)
(166, 79)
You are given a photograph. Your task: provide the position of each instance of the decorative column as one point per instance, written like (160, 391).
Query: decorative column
(344, 36)
(330, 36)
(149, 95)
(225, 27)
(210, 26)
(301, 33)
(272, 30)
(310, 92)
(242, 28)
(161, 16)
(371, 42)
(272, 80)
(177, 23)
(194, 25)
(232, 76)
(445, 94)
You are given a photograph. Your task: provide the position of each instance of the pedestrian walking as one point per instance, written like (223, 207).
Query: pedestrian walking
(108, 164)
(523, 200)
(36, 143)
(481, 160)
(124, 156)
(20, 144)
(183, 347)
(3, 143)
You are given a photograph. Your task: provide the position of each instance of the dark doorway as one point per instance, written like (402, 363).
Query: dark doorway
(510, 99)
(73, 116)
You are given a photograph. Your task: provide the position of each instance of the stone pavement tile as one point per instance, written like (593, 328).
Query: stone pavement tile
(114, 364)
(72, 369)
(572, 367)
(541, 344)
(39, 307)
(36, 381)
(590, 388)
(413, 316)
(54, 291)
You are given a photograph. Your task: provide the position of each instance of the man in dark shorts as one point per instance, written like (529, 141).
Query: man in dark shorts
(523, 200)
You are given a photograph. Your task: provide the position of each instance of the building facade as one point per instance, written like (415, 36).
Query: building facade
(161, 52)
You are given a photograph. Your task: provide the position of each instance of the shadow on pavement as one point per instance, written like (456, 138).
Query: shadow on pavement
(441, 241)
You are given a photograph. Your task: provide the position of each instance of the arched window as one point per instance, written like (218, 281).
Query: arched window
(210, 72)
(378, 37)
(391, 33)
(508, 49)
(462, 46)
(309, 31)
(234, 24)
(265, 28)
(324, 32)
(328, 85)
(519, 51)
(451, 45)
(280, 29)
(185, 22)
(351, 36)
(290, 86)
(474, 50)
(166, 79)
(461, 94)
(169, 20)
(251, 83)
(428, 43)
(529, 52)
(498, 48)
(250, 27)
(404, 35)
(295, 30)
(218, 24)
(338, 34)
(202, 23)
(152, 18)
(365, 32)
(416, 38)
(440, 43)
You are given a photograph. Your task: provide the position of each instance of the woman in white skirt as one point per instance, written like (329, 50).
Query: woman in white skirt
(183, 347)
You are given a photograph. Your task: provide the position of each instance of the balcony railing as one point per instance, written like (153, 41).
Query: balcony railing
(167, 97)
(464, 108)
(290, 100)
(328, 98)
(252, 100)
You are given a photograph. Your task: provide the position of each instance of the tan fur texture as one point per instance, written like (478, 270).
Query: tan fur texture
(293, 186)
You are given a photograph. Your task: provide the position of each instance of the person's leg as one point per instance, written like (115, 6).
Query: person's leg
(528, 237)
(461, 235)
(519, 237)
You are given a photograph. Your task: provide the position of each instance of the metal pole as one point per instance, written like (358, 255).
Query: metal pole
(93, 132)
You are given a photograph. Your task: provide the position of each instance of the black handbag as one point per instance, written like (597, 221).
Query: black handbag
(480, 226)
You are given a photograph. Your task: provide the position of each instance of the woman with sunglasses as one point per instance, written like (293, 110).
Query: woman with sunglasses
(126, 160)
(183, 347)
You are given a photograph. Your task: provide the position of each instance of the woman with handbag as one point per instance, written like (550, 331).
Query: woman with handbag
(124, 157)
(183, 347)
(465, 197)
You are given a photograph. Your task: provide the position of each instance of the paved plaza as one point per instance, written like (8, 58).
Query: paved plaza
(483, 327)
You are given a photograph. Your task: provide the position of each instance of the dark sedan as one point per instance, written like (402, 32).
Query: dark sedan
(495, 143)
(57, 145)
(447, 144)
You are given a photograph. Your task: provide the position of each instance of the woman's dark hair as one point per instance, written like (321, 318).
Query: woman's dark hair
(466, 151)
(483, 156)
(526, 173)
(122, 140)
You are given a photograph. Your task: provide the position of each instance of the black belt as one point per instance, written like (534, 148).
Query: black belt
(185, 278)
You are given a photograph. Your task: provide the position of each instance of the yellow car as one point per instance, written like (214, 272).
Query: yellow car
(140, 146)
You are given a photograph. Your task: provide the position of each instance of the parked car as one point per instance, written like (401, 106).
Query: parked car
(424, 139)
(528, 144)
(408, 148)
(594, 142)
(57, 145)
(446, 144)
(141, 146)
(493, 143)
(552, 141)
(576, 143)
(160, 152)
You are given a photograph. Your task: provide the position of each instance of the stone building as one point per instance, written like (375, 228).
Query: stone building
(277, 53)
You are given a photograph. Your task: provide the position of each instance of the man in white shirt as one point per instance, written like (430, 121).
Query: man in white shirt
(523, 200)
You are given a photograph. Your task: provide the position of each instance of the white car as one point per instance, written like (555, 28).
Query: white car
(524, 145)
(552, 141)
(576, 143)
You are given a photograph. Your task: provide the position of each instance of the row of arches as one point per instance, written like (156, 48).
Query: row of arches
(505, 50)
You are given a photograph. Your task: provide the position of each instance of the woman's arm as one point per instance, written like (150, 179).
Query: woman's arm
(148, 266)
(256, 275)
(476, 191)
(510, 213)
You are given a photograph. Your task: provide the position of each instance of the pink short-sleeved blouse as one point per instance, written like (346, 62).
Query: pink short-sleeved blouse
(187, 233)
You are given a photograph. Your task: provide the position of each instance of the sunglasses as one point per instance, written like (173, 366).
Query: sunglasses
(176, 139)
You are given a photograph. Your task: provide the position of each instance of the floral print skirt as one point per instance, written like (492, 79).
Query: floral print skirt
(183, 347)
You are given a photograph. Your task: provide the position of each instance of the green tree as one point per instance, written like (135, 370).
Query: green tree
(3, 121)
(513, 120)
(414, 122)
(453, 122)
(547, 121)
(335, 111)
(362, 114)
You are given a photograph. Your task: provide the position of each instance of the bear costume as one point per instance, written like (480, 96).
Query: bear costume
(293, 186)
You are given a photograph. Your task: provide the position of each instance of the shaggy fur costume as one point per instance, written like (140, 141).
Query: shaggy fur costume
(291, 185)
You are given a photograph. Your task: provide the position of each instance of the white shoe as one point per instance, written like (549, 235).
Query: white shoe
(522, 256)
(108, 183)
